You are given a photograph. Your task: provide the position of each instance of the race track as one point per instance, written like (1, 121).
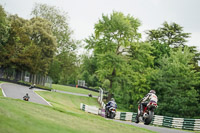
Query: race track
(18, 91)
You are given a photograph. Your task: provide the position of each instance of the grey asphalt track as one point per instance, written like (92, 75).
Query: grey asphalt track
(18, 91)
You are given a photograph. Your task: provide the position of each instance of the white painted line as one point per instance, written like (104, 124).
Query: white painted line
(43, 98)
(3, 91)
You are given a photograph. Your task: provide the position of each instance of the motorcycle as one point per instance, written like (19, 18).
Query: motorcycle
(148, 113)
(25, 98)
(90, 95)
(111, 112)
(32, 86)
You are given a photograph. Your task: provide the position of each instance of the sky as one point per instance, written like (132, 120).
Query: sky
(83, 14)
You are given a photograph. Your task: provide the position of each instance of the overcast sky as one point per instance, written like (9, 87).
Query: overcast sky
(83, 14)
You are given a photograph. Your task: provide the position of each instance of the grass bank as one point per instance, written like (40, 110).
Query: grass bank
(74, 89)
(65, 116)
(1, 94)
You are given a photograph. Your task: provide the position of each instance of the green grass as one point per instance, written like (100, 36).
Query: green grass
(2, 82)
(17, 116)
(74, 89)
(1, 94)
(66, 101)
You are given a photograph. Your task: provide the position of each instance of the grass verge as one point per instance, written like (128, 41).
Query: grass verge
(65, 116)
(1, 94)
(74, 89)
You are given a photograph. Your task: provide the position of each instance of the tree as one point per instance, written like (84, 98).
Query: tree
(4, 34)
(175, 83)
(88, 70)
(4, 27)
(30, 46)
(65, 57)
(170, 34)
(134, 77)
(166, 37)
(59, 25)
(113, 36)
(41, 36)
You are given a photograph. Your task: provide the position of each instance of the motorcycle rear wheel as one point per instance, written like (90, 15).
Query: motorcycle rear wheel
(112, 115)
(148, 120)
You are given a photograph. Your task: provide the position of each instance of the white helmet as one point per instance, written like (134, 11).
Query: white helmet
(112, 99)
(152, 91)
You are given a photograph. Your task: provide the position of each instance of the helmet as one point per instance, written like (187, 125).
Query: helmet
(112, 99)
(152, 91)
(27, 94)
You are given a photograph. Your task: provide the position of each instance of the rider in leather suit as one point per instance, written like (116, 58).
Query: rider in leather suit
(151, 96)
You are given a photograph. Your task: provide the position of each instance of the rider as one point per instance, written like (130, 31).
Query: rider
(111, 103)
(151, 96)
(32, 86)
(26, 96)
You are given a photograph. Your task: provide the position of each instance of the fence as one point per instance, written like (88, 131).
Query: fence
(15, 75)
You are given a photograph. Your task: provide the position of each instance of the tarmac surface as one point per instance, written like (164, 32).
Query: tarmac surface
(18, 92)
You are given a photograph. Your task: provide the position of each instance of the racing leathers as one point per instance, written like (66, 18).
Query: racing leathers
(150, 97)
(111, 104)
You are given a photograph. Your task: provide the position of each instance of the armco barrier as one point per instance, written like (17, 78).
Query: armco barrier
(197, 125)
(167, 121)
(89, 109)
(117, 116)
(133, 117)
(181, 123)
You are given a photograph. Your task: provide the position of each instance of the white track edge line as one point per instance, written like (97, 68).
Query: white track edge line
(3, 91)
(43, 98)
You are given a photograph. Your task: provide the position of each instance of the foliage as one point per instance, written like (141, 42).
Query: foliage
(113, 35)
(170, 34)
(166, 37)
(4, 27)
(87, 70)
(30, 46)
(175, 82)
(65, 57)
(123, 63)
(59, 25)
(63, 68)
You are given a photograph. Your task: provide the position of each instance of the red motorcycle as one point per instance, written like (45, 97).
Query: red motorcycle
(148, 112)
